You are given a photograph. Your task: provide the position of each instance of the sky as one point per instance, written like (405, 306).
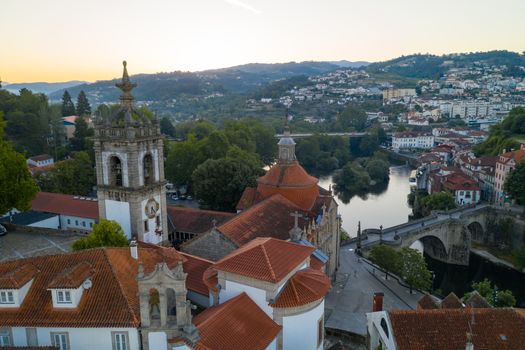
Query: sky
(60, 40)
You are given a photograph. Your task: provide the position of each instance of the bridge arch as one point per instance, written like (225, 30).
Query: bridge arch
(476, 231)
(431, 245)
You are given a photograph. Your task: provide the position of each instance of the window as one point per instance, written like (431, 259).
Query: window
(5, 337)
(63, 297)
(320, 331)
(90, 224)
(84, 223)
(148, 169)
(69, 221)
(120, 340)
(60, 340)
(146, 226)
(6, 297)
(115, 170)
(157, 219)
(76, 222)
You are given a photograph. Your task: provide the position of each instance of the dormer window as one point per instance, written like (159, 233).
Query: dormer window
(63, 297)
(7, 297)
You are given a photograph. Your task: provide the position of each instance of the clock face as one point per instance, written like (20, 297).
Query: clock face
(151, 208)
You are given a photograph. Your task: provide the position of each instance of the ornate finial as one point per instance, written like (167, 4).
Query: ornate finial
(126, 86)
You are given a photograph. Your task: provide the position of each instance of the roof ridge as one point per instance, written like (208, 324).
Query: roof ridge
(121, 290)
(272, 272)
(231, 301)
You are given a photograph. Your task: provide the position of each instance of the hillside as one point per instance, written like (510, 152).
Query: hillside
(41, 87)
(425, 66)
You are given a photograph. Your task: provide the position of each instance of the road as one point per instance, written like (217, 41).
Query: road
(351, 296)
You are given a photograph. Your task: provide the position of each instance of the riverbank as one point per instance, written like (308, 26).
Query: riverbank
(493, 259)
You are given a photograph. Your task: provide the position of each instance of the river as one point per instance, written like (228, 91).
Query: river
(387, 208)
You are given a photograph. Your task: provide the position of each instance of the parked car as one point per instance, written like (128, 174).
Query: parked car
(189, 198)
(3, 230)
(174, 197)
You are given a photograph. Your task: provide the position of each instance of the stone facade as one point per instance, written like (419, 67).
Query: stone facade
(130, 170)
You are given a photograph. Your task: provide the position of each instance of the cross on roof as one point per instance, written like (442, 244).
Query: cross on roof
(296, 216)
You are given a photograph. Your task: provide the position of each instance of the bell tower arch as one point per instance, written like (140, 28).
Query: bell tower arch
(130, 168)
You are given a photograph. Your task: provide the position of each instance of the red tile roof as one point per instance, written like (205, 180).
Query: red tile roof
(451, 302)
(72, 277)
(517, 156)
(40, 157)
(445, 329)
(269, 218)
(265, 259)
(249, 197)
(427, 302)
(195, 220)
(112, 301)
(291, 181)
(306, 286)
(237, 324)
(195, 267)
(18, 277)
(460, 182)
(65, 204)
(316, 264)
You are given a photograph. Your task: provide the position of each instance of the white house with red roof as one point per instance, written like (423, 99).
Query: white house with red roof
(269, 294)
(505, 164)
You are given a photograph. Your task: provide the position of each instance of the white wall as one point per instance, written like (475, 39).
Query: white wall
(300, 331)
(119, 211)
(272, 345)
(157, 340)
(79, 338)
(84, 224)
(52, 222)
(232, 289)
(376, 331)
(151, 236)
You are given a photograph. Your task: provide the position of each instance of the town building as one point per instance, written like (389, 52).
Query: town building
(287, 204)
(390, 94)
(412, 140)
(40, 161)
(130, 169)
(464, 188)
(267, 295)
(447, 325)
(507, 161)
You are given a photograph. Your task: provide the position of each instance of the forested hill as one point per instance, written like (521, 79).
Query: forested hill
(238, 79)
(43, 87)
(424, 66)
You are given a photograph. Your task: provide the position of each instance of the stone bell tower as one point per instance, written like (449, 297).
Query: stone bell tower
(130, 168)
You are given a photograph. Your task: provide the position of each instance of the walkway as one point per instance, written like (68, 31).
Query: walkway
(351, 296)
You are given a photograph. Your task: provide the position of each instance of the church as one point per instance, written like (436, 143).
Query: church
(287, 204)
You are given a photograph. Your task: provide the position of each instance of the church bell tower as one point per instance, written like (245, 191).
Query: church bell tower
(130, 168)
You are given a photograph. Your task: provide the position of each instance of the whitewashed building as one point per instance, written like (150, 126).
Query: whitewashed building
(412, 140)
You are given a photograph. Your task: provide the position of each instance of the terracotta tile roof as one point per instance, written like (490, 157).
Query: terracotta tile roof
(445, 329)
(112, 300)
(237, 324)
(269, 218)
(72, 277)
(517, 156)
(195, 267)
(249, 197)
(65, 204)
(427, 302)
(18, 277)
(291, 181)
(306, 286)
(460, 181)
(451, 301)
(210, 279)
(193, 220)
(316, 264)
(40, 157)
(477, 301)
(265, 259)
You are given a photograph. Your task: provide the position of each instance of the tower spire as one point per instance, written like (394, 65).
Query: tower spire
(126, 99)
(286, 143)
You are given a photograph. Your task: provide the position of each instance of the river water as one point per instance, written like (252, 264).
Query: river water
(387, 208)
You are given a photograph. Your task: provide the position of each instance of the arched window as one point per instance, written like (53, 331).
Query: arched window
(147, 164)
(171, 301)
(154, 304)
(115, 171)
(385, 327)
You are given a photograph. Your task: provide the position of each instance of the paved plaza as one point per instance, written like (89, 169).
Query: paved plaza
(16, 245)
(351, 296)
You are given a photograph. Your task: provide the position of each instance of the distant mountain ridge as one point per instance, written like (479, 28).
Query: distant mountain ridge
(41, 87)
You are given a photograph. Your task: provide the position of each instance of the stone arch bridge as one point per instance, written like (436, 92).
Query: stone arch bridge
(446, 236)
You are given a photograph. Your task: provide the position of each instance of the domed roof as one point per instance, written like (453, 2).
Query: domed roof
(287, 175)
(306, 286)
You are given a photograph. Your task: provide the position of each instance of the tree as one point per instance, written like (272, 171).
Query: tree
(495, 297)
(72, 176)
(68, 108)
(515, 183)
(219, 183)
(83, 106)
(352, 117)
(17, 187)
(439, 201)
(183, 158)
(414, 270)
(79, 142)
(106, 233)
(351, 178)
(387, 258)
(166, 127)
(378, 170)
(214, 146)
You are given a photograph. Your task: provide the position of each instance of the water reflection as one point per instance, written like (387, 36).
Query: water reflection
(385, 206)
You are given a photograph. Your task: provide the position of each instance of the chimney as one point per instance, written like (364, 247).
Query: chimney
(378, 302)
(133, 248)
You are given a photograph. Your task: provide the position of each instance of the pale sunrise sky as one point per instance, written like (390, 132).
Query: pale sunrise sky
(59, 40)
